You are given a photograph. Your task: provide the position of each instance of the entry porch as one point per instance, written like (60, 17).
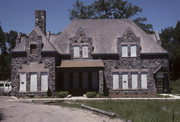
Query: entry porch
(79, 77)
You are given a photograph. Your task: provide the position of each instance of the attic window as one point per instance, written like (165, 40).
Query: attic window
(33, 49)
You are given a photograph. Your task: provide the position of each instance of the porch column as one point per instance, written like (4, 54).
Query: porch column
(101, 81)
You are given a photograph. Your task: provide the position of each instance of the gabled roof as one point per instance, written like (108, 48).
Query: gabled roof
(46, 47)
(104, 34)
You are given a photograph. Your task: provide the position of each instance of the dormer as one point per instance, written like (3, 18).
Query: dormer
(34, 46)
(129, 45)
(80, 46)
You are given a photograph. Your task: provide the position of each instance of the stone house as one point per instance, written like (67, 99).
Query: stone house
(113, 56)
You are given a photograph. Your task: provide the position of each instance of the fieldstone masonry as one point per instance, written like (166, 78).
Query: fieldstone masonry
(46, 61)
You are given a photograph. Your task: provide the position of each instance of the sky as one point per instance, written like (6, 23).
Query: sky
(18, 15)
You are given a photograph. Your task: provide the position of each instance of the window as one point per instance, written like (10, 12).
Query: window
(76, 51)
(33, 49)
(133, 51)
(134, 81)
(144, 80)
(85, 51)
(115, 81)
(124, 51)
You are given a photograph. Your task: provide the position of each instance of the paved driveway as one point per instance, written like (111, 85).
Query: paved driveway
(12, 110)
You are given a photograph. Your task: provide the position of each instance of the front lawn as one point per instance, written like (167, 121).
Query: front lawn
(142, 110)
(137, 110)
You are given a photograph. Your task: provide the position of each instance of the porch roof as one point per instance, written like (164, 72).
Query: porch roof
(81, 63)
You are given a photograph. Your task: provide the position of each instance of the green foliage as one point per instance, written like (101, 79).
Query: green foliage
(91, 94)
(49, 93)
(109, 9)
(175, 87)
(62, 94)
(171, 42)
(141, 23)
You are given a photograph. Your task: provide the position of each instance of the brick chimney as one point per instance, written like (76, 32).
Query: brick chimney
(40, 20)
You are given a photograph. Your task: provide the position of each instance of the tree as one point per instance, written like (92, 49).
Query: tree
(7, 43)
(109, 9)
(171, 42)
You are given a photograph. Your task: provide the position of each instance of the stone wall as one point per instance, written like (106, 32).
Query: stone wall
(17, 67)
(133, 65)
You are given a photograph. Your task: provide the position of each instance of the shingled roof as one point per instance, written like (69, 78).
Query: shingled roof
(104, 34)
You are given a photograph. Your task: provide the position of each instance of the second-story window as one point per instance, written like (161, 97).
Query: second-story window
(133, 51)
(33, 49)
(76, 51)
(85, 51)
(124, 51)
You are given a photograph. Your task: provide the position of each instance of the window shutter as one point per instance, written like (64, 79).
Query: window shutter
(144, 81)
(33, 82)
(133, 51)
(76, 51)
(115, 81)
(134, 81)
(124, 51)
(44, 82)
(85, 51)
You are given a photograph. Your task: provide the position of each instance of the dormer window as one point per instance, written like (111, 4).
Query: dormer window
(33, 49)
(85, 51)
(129, 51)
(76, 51)
(133, 50)
(124, 51)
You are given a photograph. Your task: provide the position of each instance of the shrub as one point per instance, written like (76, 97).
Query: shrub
(62, 94)
(90, 94)
(100, 94)
(175, 87)
(49, 93)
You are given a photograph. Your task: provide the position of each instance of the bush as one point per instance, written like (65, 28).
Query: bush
(100, 94)
(49, 93)
(90, 94)
(175, 87)
(62, 94)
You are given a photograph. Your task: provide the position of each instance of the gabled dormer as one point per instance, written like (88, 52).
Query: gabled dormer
(129, 45)
(33, 46)
(80, 46)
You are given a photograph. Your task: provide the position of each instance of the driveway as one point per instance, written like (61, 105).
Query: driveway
(12, 110)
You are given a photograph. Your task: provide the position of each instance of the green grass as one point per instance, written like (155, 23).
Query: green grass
(136, 110)
(175, 86)
(141, 110)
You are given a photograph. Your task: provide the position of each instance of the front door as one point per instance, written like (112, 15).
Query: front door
(22, 79)
(125, 81)
(160, 82)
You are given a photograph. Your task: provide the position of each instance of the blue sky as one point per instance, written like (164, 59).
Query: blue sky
(19, 14)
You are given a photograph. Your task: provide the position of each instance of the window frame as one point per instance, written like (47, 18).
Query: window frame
(76, 47)
(83, 51)
(124, 54)
(135, 54)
